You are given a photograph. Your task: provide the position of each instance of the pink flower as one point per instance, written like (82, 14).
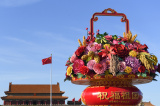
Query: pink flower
(104, 64)
(99, 68)
(131, 47)
(98, 46)
(90, 64)
(121, 66)
(77, 65)
(94, 46)
(108, 37)
(73, 58)
(115, 41)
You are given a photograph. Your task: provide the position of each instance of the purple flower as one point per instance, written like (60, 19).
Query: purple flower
(133, 62)
(155, 68)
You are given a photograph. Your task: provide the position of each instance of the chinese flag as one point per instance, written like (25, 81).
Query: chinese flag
(79, 100)
(47, 60)
(73, 100)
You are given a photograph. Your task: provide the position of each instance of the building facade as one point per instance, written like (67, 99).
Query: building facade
(19, 94)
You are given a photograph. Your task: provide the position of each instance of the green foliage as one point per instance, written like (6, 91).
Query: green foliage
(101, 39)
(79, 75)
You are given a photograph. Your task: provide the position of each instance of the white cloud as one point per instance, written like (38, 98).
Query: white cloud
(15, 3)
(18, 40)
(78, 30)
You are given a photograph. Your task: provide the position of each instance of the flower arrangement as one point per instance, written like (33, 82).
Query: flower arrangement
(109, 54)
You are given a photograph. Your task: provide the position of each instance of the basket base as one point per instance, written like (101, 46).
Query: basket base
(111, 96)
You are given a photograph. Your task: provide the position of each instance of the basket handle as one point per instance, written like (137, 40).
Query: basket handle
(105, 13)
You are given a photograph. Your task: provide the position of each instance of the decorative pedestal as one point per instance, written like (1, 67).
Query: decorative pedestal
(112, 91)
(102, 95)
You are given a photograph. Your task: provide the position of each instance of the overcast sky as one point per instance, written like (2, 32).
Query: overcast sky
(31, 30)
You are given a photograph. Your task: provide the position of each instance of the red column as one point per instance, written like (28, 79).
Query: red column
(39, 102)
(63, 102)
(57, 102)
(17, 103)
(23, 102)
(4, 102)
(45, 102)
(10, 102)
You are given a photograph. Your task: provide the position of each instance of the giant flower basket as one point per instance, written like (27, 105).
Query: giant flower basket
(111, 65)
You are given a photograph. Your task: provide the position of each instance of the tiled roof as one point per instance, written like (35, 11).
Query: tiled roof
(21, 88)
(33, 97)
(148, 104)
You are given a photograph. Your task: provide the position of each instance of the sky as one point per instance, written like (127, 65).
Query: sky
(31, 30)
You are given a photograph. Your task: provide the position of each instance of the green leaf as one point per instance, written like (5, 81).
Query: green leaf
(68, 78)
(120, 73)
(120, 59)
(84, 76)
(154, 79)
(79, 75)
(97, 40)
(105, 33)
(123, 43)
(88, 59)
(114, 37)
(71, 64)
(98, 36)
(138, 74)
(144, 74)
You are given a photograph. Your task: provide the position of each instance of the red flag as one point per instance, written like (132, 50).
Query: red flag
(73, 100)
(47, 60)
(79, 100)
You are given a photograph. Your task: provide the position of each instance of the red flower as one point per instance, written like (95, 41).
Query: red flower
(107, 52)
(140, 47)
(91, 73)
(68, 63)
(88, 40)
(121, 50)
(84, 70)
(141, 69)
(80, 50)
(108, 37)
(124, 39)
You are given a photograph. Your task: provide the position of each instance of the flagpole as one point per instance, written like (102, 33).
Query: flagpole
(51, 85)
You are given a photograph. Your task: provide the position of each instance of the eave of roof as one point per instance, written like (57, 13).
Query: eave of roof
(32, 97)
(61, 92)
(33, 88)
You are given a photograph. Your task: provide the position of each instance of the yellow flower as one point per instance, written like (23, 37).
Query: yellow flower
(69, 70)
(133, 53)
(96, 58)
(137, 41)
(155, 59)
(84, 57)
(128, 69)
(90, 53)
(104, 46)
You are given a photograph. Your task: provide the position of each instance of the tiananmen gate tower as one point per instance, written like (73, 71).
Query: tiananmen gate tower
(21, 94)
